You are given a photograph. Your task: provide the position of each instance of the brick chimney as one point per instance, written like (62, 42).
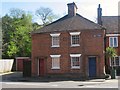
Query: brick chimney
(99, 12)
(72, 9)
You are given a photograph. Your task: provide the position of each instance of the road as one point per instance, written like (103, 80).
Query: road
(63, 84)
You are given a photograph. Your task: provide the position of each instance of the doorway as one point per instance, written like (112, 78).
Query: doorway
(92, 67)
(41, 68)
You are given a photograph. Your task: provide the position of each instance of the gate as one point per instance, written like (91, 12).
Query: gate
(27, 68)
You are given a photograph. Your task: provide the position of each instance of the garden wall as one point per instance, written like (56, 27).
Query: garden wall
(6, 65)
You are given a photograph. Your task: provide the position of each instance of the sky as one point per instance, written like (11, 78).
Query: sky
(86, 8)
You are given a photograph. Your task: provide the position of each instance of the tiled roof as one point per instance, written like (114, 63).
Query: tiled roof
(67, 23)
(111, 23)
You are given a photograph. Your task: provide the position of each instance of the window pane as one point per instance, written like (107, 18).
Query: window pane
(55, 62)
(111, 42)
(75, 39)
(115, 41)
(75, 61)
(55, 40)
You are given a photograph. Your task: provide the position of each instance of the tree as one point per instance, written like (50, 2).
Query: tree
(23, 27)
(111, 53)
(16, 12)
(46, 15)
(7, 30)
(36, 26)
(17, 34)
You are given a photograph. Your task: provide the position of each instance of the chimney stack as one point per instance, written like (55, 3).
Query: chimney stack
(72, 9)
(99, 12)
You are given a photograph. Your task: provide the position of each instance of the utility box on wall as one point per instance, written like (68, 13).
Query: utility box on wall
(19, 63)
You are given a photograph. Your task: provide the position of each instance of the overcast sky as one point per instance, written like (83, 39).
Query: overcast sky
(86, 8)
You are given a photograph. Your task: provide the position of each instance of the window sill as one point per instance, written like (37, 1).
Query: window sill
(76, 45)
(55, 68)
(55, 46)
(75, 67)
(115, 66)
(113, 46)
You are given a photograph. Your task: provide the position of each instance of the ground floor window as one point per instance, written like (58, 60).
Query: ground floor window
(75, 61)
(55, 61)
(115, 61)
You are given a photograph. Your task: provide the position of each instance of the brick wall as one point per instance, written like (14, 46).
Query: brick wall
(91, 44)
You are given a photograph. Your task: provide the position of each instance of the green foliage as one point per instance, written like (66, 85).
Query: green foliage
(7, 29)
(16, 32)
(12, 49)
(16, 29)
(110, 52)
(36, 26)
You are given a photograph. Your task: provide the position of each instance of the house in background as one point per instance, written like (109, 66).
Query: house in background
(112, 38)
(72, 46)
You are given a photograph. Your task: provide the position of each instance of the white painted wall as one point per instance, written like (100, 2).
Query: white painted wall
(6, 65)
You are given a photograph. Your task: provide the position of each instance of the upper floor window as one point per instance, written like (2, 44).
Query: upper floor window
(75, 38)
(113, 41)
(55, 61)
(55, 40)
(75, 61)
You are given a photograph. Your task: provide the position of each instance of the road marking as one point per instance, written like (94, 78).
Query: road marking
(21, 83)
(31, 84)
(37, 84)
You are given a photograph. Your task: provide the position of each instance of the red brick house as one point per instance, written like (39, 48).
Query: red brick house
(72, 46)
(112, 38)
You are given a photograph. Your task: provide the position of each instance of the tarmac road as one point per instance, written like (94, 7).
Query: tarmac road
(63, 84)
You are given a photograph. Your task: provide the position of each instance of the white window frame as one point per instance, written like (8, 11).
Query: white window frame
(55, 56)
(73, 34)
(113, 41)
(75, 55)
(114, 61)
(113, 35)
(55, 35)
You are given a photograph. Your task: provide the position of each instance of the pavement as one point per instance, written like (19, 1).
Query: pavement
(8, 76)
(15, 79)
(18, 77)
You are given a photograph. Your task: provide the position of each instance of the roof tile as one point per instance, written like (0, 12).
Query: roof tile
(66, 23)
